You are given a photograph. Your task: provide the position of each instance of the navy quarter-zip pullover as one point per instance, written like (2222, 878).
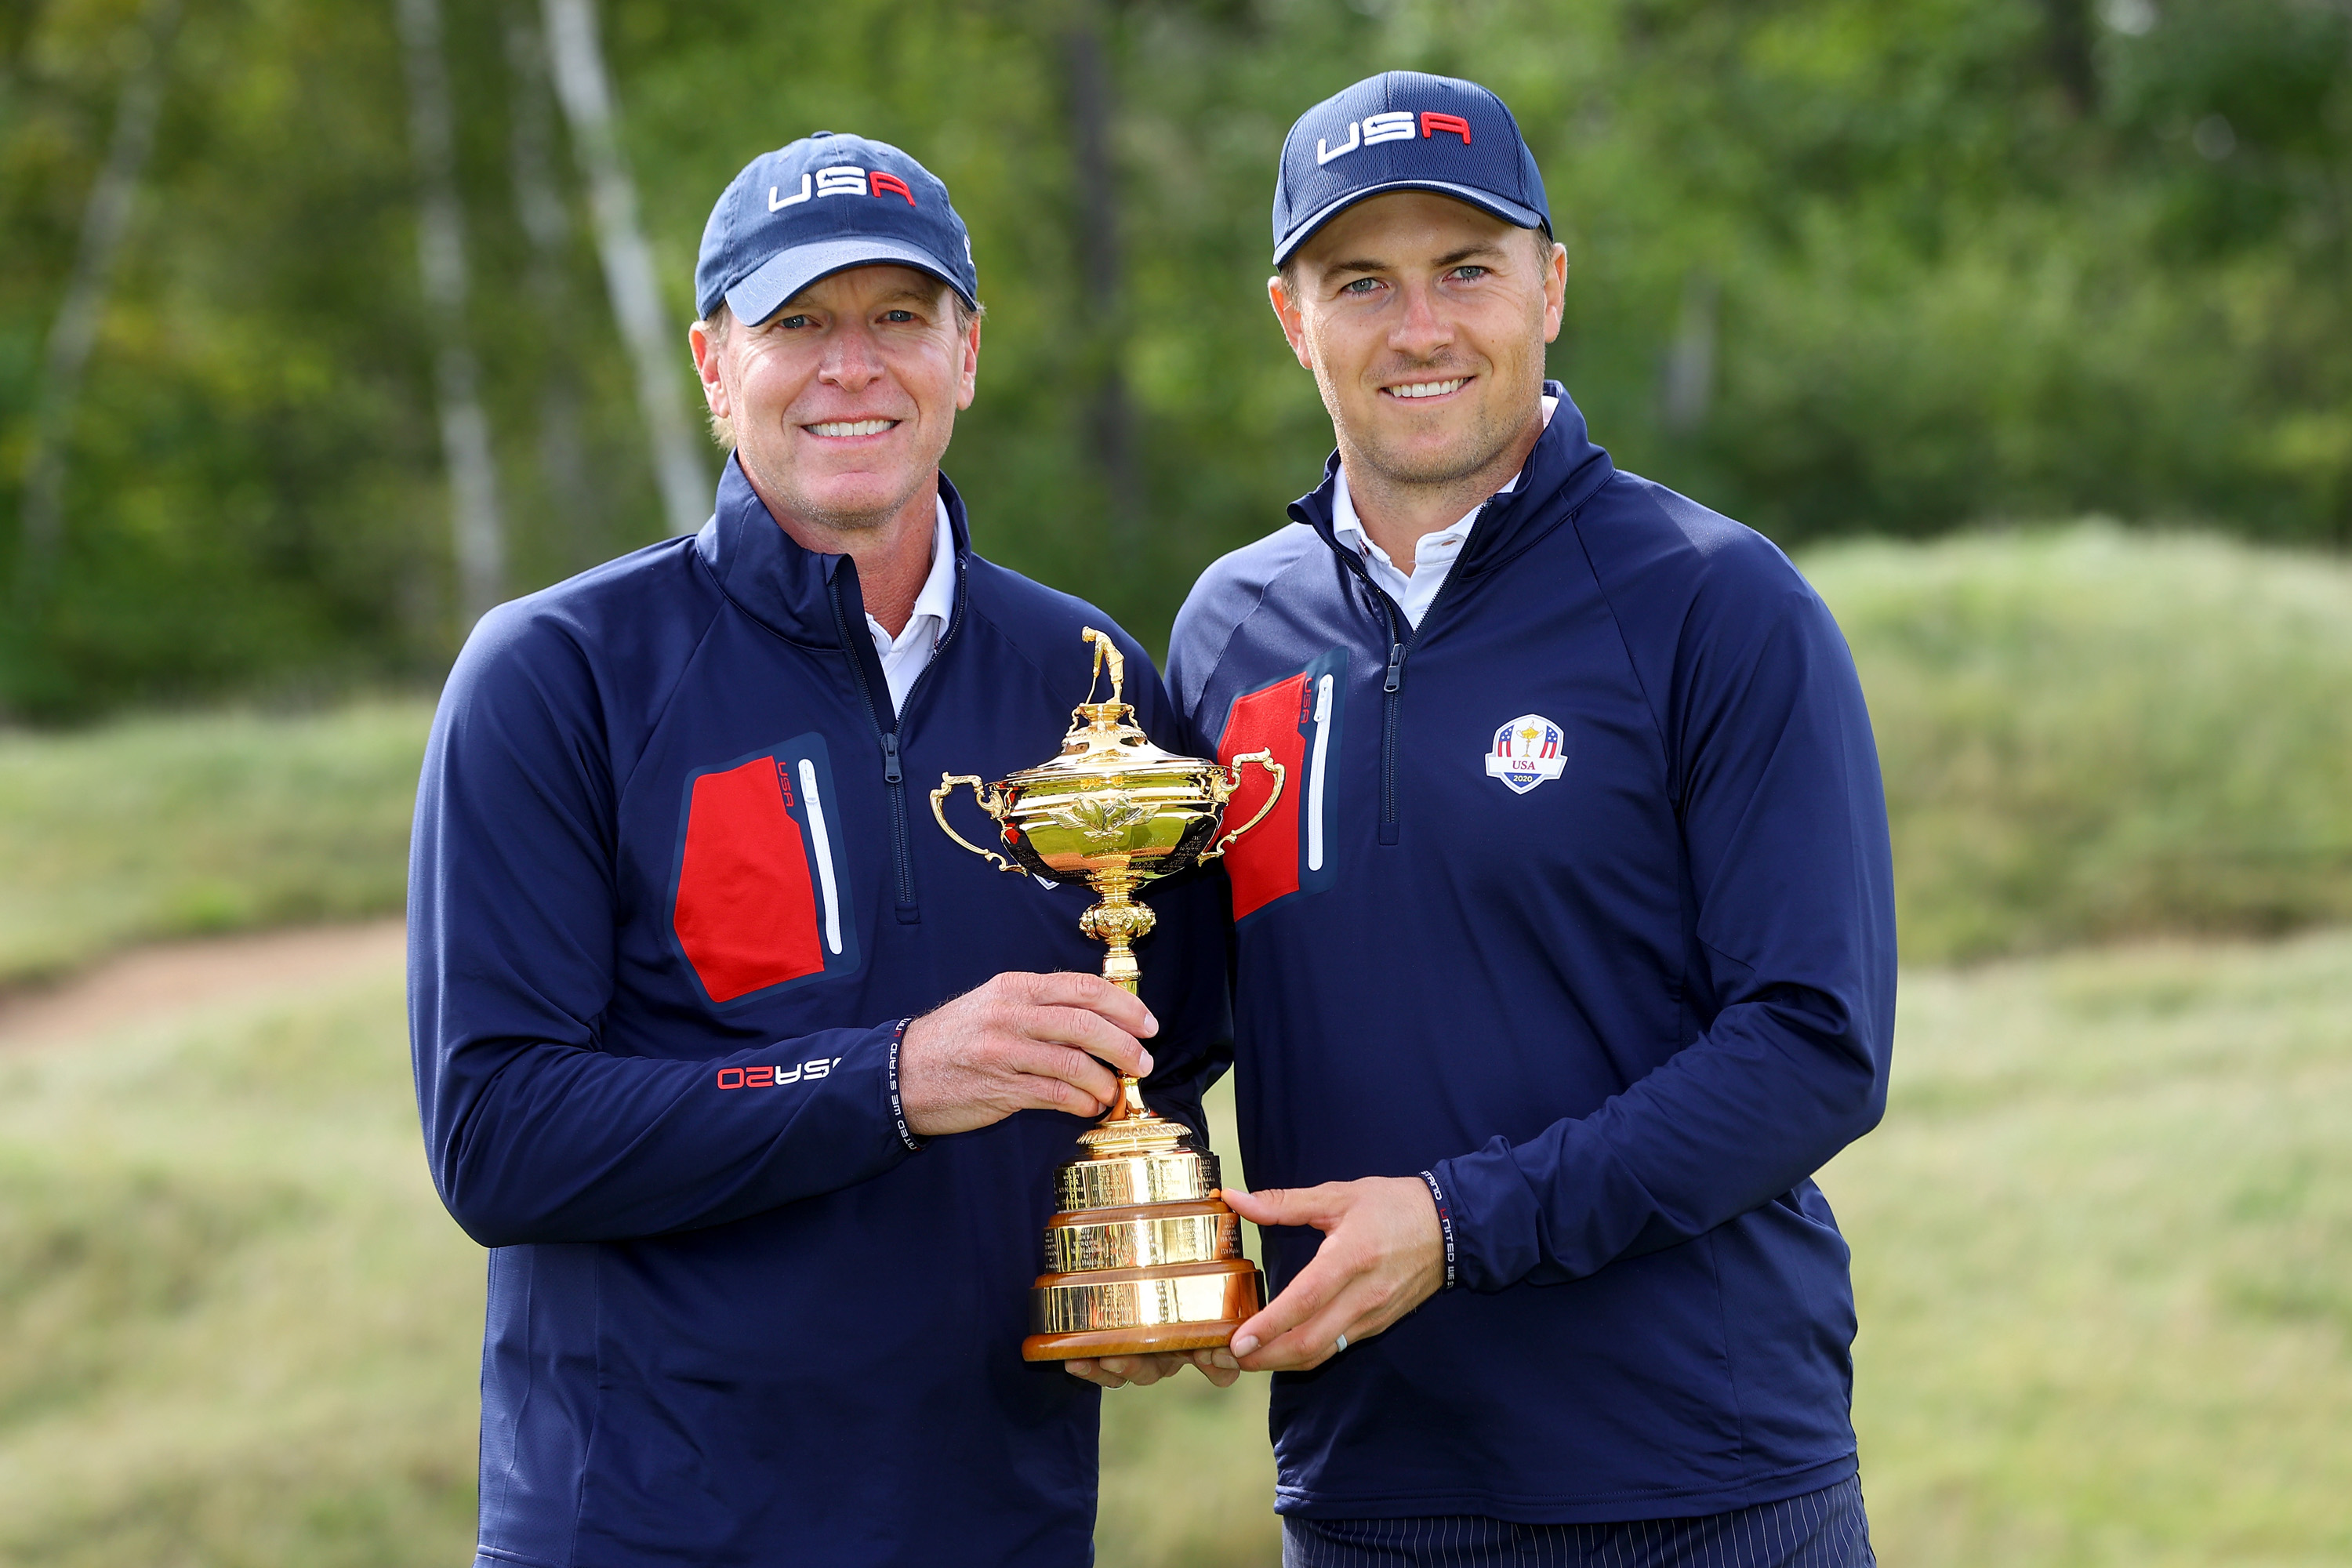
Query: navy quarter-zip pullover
(674, 888)
(1580, 906)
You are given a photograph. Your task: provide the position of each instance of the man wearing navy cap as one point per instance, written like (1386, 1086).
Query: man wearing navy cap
(753, 1083)
(1568, 955)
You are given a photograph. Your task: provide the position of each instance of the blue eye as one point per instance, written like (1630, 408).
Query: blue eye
(1361, 286)
(898, 315)
(791, 323)
(1469, 273)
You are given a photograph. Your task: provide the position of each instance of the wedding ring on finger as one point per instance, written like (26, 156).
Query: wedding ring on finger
(1340, 1346)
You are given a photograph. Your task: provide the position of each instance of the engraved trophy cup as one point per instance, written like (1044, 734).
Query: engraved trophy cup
(1142, 1256)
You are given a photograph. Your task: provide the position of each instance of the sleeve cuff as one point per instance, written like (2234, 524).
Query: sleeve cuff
(1444, 1222)
(898, 1106)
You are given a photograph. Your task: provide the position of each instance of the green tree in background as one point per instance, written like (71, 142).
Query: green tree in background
(1838, 266)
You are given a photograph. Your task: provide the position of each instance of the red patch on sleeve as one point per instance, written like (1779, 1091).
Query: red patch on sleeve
(746, 915)
(1263, 862)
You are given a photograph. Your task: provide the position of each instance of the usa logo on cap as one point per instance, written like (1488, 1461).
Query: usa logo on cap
(1404, 131)
(823, 205)
(1526, 752)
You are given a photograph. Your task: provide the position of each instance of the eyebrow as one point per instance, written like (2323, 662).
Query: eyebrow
(1451, 258)
(909, 292)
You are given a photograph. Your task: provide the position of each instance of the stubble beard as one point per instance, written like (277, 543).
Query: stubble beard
(1480, 445)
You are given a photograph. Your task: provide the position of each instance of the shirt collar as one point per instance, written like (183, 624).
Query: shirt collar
(1347, 526)
(937, 595)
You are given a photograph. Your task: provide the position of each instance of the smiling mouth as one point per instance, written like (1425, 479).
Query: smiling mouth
(1427, 388)
(851, 427)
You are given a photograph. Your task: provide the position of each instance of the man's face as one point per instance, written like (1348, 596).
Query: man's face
(844, 400)
(1425, 320)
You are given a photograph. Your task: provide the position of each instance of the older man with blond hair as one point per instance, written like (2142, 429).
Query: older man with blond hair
(750, 1081)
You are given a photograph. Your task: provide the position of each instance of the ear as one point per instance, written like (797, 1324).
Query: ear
(967, 380)
(1555, 287)
(707, 369)
(1294, 320)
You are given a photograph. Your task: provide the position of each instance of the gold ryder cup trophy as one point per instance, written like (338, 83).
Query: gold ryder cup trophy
(1142, 1256)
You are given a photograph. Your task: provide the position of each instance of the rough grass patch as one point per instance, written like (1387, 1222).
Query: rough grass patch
(201, 823)
(2089, 734)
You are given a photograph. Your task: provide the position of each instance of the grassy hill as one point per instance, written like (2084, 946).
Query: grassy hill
(2086, 734)
(2102, 1242)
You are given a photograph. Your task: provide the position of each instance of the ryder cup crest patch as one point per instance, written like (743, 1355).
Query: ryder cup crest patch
(1526, 752)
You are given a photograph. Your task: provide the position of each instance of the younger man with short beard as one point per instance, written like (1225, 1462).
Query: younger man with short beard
(1568, 953)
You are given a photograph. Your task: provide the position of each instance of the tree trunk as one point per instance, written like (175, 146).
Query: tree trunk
(582, 87)
(478, 528)
(74, 333)
(1111, 420)
(1687, 388)
(2067, 32)
(547, 223)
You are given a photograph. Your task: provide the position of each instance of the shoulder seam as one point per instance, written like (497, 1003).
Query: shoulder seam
(678, 678)
(1257, 603)
(1617, 621)
(1010, 641)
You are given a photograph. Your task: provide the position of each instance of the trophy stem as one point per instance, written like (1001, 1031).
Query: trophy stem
(1118, 921)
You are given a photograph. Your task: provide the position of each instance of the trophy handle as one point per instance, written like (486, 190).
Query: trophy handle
(1263, 759)
(948, 782)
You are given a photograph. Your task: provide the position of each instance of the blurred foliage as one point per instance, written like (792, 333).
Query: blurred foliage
(158, 828)
(1839, 264)
(2087, 734)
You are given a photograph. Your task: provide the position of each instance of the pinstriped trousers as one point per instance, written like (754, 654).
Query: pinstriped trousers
(1826, 1528)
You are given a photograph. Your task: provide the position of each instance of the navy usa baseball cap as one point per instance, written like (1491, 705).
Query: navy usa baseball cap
(1404, 131)
(821, 206)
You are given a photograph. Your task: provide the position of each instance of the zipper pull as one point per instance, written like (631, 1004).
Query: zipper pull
(890, 773)
(1396, 667)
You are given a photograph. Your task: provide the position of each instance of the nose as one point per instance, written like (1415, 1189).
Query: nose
(1420, 329)
(851, 358)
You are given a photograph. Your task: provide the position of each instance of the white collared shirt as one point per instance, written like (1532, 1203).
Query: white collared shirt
(1434, 554)
(905, 655)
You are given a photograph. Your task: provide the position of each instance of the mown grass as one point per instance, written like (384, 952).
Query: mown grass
(236, 1327)
(2103, 1248)
(2088, 733)
(165, 826)
(2103, 1258)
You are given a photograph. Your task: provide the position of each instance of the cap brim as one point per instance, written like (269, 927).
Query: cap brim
(1485, 201)
(787, 272)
